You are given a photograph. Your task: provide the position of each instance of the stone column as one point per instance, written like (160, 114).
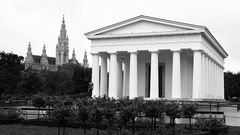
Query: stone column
(176, 75)
(197, 72)
(126, 78)
(133, 79)
(119, 79)
(211, 79)
(95, 75)
(207, 77)
(218, 81)
(222, 82)
(214, 80)
(154, 91)
(113, 76)
(203, 91)
(103, 80)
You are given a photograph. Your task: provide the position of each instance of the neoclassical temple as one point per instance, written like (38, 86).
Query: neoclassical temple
(156, 58)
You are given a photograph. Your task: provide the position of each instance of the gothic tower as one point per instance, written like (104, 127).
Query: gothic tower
(62, 49)
(29, 58)
(85, 60)
(74, 60)
(44, 59)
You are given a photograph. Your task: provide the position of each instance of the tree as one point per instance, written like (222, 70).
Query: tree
(97, 115)
(125, 115)
(153, 109)
(129, 110)
(10, 69)
(39, 101)
(109, 109)
(81, 79)
(61, 115)
(83, 112)
(133, 114)
(189, 110)
(173, 111)
(30, 83)
(232, 85)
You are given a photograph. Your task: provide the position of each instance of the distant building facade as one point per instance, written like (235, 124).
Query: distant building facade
(62, 55)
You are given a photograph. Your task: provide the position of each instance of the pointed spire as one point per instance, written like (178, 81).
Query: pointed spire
(44, 48)
(63, 21)
(74, 60)
(29, 58)
(85, 60)
(29, 47)
(62, 46)
(73, 54)
(63, 32)
(44, 59)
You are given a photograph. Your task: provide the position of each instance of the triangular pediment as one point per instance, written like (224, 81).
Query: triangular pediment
(143, 24)
(143, 27)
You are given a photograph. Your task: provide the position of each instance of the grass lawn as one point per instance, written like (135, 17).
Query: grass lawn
(19, 129)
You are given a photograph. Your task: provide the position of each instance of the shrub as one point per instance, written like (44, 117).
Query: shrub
(61, 114)
(10, 114)
(173, 111)
(209, 123)
(39, 101)
(97, 116)
(82, 112)
(189, 110)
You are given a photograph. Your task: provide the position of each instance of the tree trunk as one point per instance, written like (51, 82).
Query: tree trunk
(133, 126)
(155, 124)
(173, 125)
(190, 123)
(84, 127)
(63, 132)
(152, 124)
(109, 121)
(125, 124)
(38, 112)
(97, 129)
(59, 129)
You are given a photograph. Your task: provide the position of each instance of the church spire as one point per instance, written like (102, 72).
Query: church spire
(29, 48)
(73, 54)
(62, 49)
(63, 29)
(85, 60)
(44, 59)
(29, 58)
(74, 60)
(63, 21)
(44, 49)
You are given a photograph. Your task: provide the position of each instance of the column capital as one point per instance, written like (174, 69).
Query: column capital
(204, 53)
(112, 52)
(197, 50)
(103, 54)
(153, 50)
(133, 52)
(176, 50)
(95, 53)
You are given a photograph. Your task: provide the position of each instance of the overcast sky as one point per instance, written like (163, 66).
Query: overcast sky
(39, 22)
